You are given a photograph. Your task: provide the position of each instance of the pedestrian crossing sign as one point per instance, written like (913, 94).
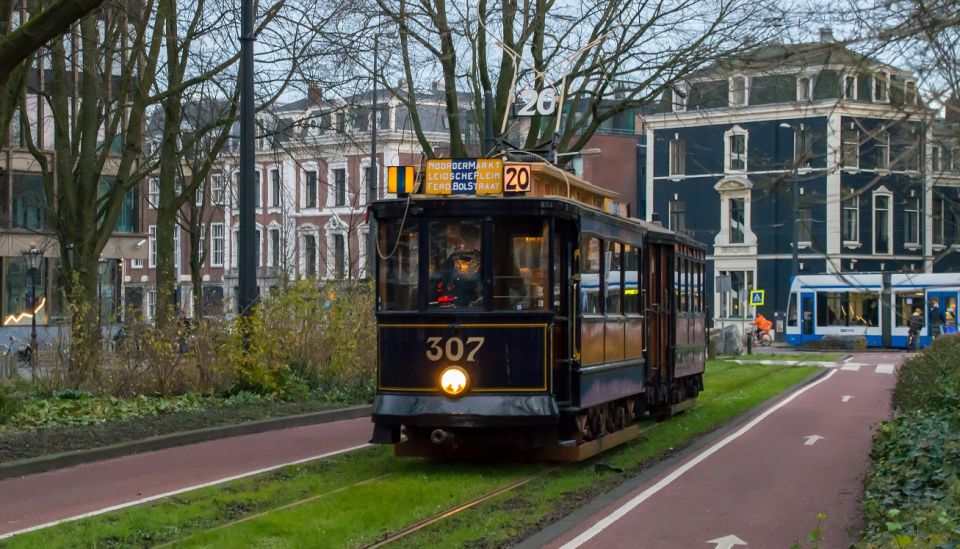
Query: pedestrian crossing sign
(756, 298)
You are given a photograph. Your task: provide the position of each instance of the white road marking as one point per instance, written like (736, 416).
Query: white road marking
(848, 359)
(726, 542)
(619, 513)
(846, 398)
(885, 368)
(851, 367)
(180, 491)
(812, 439)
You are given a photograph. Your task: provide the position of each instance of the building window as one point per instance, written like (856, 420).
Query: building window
(341, 122)
(275, 188)
(678, 153)
(905, 149)
(259, 189)
(881, 150)
(310, 189)
(202, 244)
(217, 185)
(216, 244)
(851, 218)
(136, 263)
(850, 86)
(937, 221)
(310, 255)
(881, 82)
(339, 256)
(274, 247)
(911, 220)
(680, 94)
(151, 311)
(804, 88)
(739, 94)
(910, 93)
(730, 303)
(882, 220)
(678, 221)
(802, 147)
(804, 225)
(340, 187)
(737, 220)
(153, 197)
(736, 147)
(152, 242)
(935, 159)
(850, 148)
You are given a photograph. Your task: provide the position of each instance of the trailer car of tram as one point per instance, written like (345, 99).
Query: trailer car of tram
(530, 322)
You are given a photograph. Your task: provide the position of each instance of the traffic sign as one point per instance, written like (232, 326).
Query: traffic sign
(464, 176)
(756, 298)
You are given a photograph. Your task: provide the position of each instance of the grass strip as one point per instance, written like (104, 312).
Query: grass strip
(356, 513)
(807, 357)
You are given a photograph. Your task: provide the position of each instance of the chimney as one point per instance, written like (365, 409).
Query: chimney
(826, 35)
(314, 96)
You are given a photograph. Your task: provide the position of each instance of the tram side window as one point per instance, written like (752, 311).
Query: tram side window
(631, 280)
(906, 303)
(590, 276)
(830, 310)
(863, 309)
(520, 264)
(399, 270)
(455, 263)
(614, 274)
(845, 309)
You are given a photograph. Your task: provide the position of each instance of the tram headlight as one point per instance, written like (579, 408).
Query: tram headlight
(454, 381)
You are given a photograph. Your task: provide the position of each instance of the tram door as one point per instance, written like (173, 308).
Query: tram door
(807, 313)
(948, 310)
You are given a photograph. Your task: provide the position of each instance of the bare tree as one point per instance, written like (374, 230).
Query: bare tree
(610, 57)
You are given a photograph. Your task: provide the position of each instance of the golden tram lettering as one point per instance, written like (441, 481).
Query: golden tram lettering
(453, 349)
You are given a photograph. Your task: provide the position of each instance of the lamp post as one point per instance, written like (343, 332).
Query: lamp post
(102, 265)
(31, 258)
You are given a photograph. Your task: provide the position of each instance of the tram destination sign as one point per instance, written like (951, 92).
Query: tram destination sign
(464, 176)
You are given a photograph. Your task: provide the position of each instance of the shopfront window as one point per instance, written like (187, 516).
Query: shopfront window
(29, 202)
(455, 267)
(399, 270)
(520, 264)
(17, 310)
(735, 303)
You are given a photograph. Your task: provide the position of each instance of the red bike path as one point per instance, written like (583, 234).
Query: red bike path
(761, 484)
(45, 498)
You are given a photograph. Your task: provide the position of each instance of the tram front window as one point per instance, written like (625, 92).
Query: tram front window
(520, 264)
(455, 263)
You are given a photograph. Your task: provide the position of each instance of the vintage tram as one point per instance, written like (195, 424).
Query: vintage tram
(531, 321)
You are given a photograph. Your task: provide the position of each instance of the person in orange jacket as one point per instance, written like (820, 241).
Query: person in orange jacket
(761, 325)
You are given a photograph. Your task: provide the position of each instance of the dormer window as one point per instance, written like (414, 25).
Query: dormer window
(804, 88)
(910, 93)
(850, 86)
(739, 94)
(881, 81)
(680, 93)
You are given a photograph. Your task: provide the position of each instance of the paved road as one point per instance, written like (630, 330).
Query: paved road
(56, 495)
(764, 482)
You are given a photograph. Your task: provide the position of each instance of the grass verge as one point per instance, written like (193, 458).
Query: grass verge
(816, 357)
(355, 499)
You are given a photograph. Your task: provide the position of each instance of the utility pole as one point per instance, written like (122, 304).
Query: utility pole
(372, 179)
(247, 235)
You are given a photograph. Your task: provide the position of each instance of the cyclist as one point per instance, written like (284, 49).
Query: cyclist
(761, 326)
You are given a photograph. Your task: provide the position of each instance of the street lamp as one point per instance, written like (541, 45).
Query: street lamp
(102, 265)
(798, 133)
(31, 258)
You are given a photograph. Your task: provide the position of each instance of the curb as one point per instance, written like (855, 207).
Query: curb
(554, 531)
(69, 459)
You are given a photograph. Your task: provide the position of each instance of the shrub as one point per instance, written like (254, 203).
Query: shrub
(10, 403)
(931, 379)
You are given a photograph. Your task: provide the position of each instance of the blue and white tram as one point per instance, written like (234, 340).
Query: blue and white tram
(874, 306)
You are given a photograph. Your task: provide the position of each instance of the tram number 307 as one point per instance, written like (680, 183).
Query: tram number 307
(453, 349)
